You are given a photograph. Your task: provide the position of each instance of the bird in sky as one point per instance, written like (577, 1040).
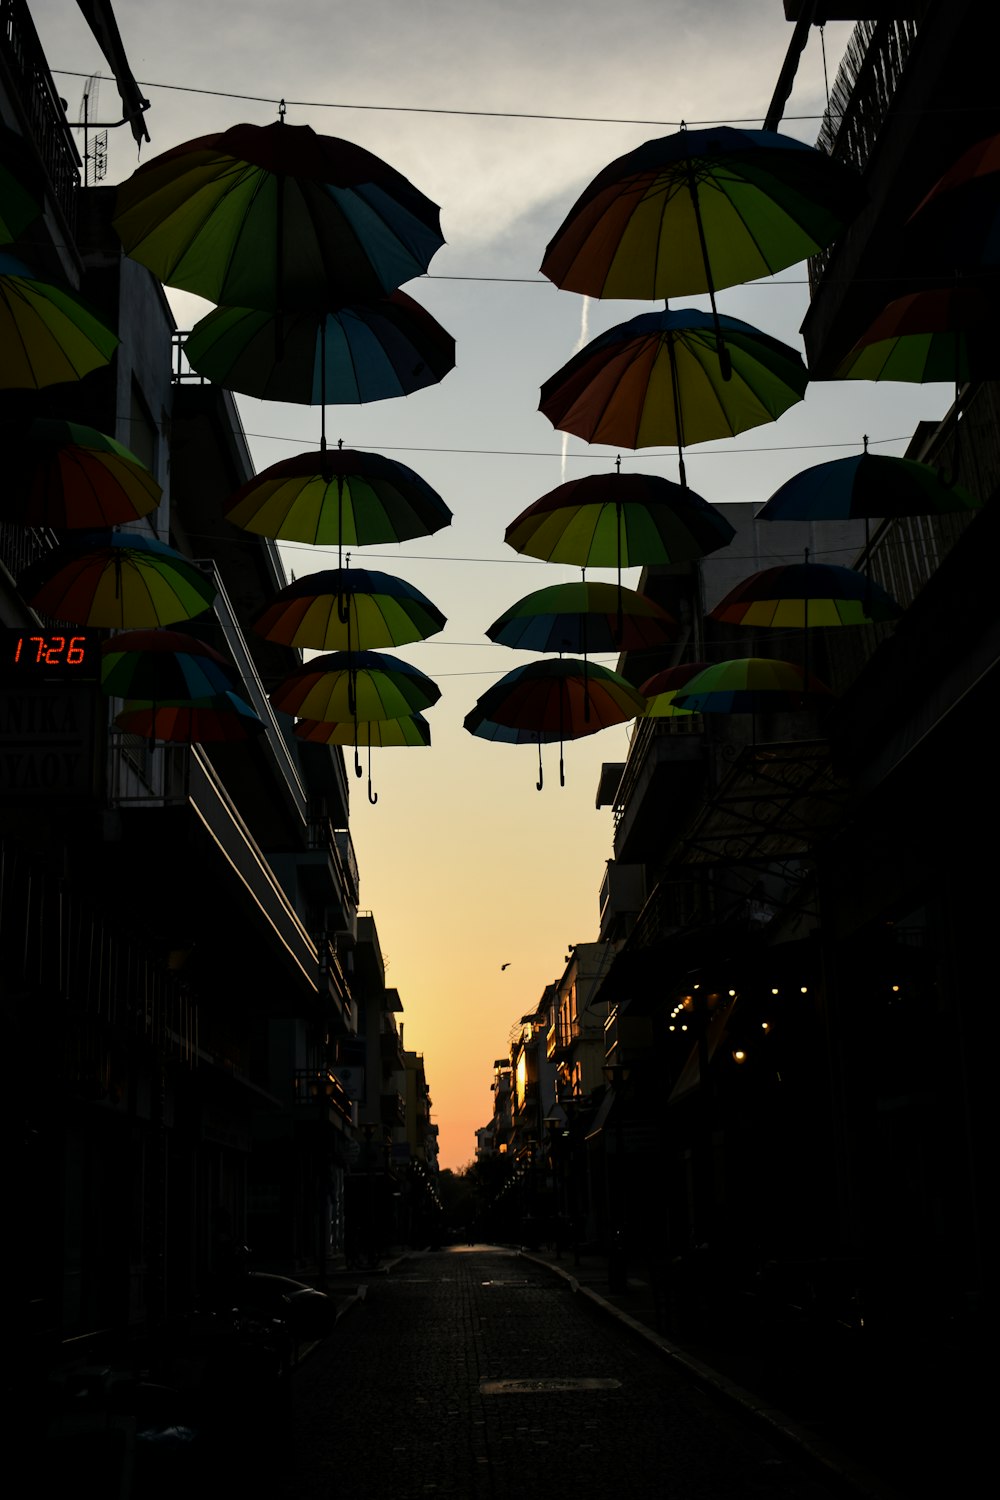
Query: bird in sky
(504, 966)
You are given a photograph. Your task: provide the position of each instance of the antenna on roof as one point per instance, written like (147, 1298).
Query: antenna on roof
(95, 152)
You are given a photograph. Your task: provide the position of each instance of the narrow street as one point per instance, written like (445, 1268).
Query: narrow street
(474, 1373)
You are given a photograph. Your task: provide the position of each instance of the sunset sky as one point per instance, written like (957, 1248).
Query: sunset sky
(502, 113)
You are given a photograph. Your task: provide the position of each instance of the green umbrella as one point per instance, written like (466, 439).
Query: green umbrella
(341, 609)
(338, 497)
(47, 335)
(658, 379)
(122, 580)
(360, 685)
(68, 476)
(276, 216)
(410, 730)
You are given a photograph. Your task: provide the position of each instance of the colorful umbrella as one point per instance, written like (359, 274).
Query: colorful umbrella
(958, 222)
(698, 210)
(563, 699)
(162, 666)
(353, 685)
(219, 719)
(583, 617)
(339, 497)
(123, 580)
(362, 352)
(797, 596)
(619, 521)
(751, 685)
(277, 217)
(64, 475)
(658, 380)
(866, 485)
(410, 730)
(348, 608)
(47, 335)
(951, 334)
(503, 734)
(660, 691)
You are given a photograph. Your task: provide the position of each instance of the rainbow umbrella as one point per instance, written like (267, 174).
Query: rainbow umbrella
(355, 685)
(865, 485)
(958, 221)
(800, 595)
(348, 608)
(276, 217)
(658, 380)
(562, 699)
(65, 475)
(47, 335)
(162, 666)
(583, 617)
(122, 580)
(409, 730)
(751, 685)
(619, 521)
(222, 718)
(660, 691)
(338, 497)
(698, 210)
(361, 352)
(949, 335)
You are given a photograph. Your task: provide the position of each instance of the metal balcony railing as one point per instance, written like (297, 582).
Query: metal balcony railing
(45, 120)
(317, 1087)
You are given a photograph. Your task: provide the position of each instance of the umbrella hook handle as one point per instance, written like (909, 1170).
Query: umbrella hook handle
(541, 777)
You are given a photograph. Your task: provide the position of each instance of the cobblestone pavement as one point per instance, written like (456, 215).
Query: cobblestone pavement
(398, 1402)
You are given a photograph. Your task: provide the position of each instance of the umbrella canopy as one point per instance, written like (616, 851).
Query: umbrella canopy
(276, 216)
(799, 595)
(123, 580)
(751, 685)
(65, 475)
(362, 352)
(47, 335)
(352, 685)
(583, 617)
(411, 729)
(951, 335)
(562, 699)
(658, 380)
(219, 719)
(339, 497)
(660, 691)
(958, 221)
(698, 210)
(345, 608)
(864, 486)
(619, 520)
(161, 666)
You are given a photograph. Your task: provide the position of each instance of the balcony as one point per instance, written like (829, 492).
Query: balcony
(664, 771)
(186, 826)
(43, 120)
(392, 1109)
(321, 1093)
(910, 96)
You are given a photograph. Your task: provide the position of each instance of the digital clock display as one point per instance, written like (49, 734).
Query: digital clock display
(32, 652)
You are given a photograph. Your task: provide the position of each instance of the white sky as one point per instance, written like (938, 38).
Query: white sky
(465, 866)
